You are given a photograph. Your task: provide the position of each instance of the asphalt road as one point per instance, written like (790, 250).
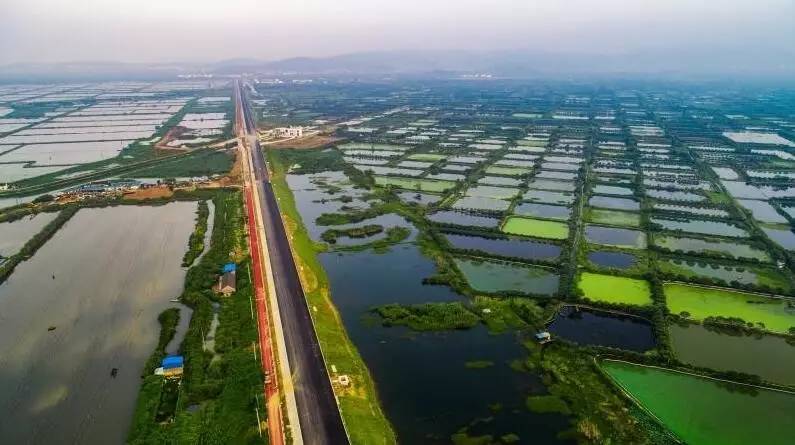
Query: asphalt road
(319, 415)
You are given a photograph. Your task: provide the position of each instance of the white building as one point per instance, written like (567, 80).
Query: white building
(290, 132)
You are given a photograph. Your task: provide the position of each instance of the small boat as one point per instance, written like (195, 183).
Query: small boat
(51, 328)
(113, 372)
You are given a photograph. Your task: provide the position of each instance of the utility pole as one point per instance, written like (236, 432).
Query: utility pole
(250, 302)
(259, 422)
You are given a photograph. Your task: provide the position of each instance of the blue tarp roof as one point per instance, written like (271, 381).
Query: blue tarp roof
(173, 361)
(229, 267)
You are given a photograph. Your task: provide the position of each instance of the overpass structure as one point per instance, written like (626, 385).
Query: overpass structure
(310, 405)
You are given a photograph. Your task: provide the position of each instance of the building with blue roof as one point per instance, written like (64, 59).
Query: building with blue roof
(173, 361)
(173, 366)
(227, 281)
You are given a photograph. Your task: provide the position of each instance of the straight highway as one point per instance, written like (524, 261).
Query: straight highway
(319, 415)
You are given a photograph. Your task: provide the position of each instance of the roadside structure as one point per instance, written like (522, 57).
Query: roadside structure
(227, 281)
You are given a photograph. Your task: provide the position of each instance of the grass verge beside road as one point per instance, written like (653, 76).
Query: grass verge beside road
(361, 411)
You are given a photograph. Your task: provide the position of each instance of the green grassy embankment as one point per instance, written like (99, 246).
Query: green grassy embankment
(359, 404)
(196, 241)
(168, 320)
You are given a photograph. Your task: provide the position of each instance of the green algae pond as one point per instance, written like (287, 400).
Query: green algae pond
(703, 411)
(424, 185)
(612, 289)
(539, 228)
(776, 314)
(614, 217)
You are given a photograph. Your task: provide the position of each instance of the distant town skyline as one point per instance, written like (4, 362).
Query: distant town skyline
(152, 31)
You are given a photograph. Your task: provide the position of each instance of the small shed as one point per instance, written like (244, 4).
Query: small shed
(173, 365)
(543, 337)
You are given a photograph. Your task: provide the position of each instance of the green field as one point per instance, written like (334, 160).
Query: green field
(702, 411)
(614, 218)
(610, 289)
(425, 185)
(506, 171)
(700, 302)
(539, 228)
(426, 157)
(203, 163)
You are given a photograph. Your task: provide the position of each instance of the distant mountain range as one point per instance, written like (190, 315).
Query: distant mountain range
(512, 64)
(523, 63)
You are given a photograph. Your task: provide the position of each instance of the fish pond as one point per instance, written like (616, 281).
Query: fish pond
(610, 202)
(783, 237)
(14, 234)
(423, 185)
(549, 197)
(496, 276)
(617, 260)
(463, 219)
(721, 248)
(753, 275)
(702, 227)
(762, 211)
(614, 217)
(768, 356)
(69, 319)
(588, 326)
(613, 236)
(507, 247)
(543, 211)
(481, 203)
(419, 198)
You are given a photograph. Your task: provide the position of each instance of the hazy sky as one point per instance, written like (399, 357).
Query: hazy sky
(203, 30)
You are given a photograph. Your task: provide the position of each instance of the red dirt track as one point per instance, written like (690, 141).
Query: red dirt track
(271, 390)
